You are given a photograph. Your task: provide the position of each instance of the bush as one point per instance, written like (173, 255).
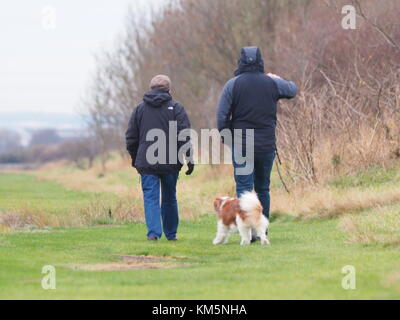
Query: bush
(349, 80)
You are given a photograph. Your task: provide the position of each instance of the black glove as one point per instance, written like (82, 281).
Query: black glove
(191, 168)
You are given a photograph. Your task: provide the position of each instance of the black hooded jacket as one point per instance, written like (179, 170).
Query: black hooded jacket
(249, 101)
(156, 111)
(250, 61)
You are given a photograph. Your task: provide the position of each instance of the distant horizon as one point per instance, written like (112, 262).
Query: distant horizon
(41, 120)
(69, 112)
(25, 123)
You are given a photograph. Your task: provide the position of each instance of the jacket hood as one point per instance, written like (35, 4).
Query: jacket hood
(250, 61)
(156, 98)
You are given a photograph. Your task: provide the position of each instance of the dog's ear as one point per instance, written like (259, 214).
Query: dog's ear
(217, 204)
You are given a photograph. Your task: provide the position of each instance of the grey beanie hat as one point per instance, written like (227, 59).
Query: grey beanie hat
(160, 82)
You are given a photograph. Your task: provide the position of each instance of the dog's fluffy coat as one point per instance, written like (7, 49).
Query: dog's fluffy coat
(244, 214)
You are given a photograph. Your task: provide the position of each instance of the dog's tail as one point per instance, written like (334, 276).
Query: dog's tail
(250, 204)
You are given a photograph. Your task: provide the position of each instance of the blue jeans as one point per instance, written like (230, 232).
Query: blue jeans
(259, 178)
(164, 217)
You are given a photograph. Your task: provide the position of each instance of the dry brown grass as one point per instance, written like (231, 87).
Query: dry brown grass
(99, 212)
(95, 213)
(380, 226)
(392, 280)
(93, 179)
(365, 147)
(132, 263)
(324, 202)
(196, 193)
(18, 220)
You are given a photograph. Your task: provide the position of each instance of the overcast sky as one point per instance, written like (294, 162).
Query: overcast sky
(46, 59)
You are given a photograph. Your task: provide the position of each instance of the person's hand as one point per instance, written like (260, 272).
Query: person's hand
(191, 168)
(273, 75)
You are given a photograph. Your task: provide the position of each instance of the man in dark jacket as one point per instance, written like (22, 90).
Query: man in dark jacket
(158, 115)
(249, 101)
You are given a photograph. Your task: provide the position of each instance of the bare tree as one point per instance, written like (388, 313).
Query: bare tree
(9, 141)
(347, 111)
(44, 137)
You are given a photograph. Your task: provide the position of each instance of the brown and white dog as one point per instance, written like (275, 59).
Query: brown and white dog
(244, 214)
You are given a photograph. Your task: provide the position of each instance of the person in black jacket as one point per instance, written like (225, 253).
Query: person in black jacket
(158, 116)
(249, 101)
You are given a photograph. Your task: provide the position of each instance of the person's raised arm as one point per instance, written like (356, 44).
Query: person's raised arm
(286, 89)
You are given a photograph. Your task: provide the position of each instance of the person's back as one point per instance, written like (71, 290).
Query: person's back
(158, 171)
(249, 101)
(156, 111)
(254, 107)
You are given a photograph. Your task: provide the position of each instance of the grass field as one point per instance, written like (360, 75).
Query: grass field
(304, 261)
(21, 191)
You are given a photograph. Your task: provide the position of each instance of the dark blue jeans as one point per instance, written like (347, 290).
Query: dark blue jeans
(258, 179)
(164, 216)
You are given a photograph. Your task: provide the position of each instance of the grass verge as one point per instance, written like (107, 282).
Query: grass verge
(304, 261)
(374, 226)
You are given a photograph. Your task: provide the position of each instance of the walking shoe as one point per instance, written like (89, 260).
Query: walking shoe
(152, 238)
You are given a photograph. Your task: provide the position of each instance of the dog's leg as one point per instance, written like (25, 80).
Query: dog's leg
(244, 231)
(261, 230)
(222, 233)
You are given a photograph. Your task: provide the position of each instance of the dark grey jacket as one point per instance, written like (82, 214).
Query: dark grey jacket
(249, 101)
(155, 112)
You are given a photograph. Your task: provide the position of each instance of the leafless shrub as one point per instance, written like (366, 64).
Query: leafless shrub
(346, 115)
(82, 152)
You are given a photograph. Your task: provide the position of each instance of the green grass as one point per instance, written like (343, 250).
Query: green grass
(380, 225)
(24, 193)
(304, 261)
(368, 178)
